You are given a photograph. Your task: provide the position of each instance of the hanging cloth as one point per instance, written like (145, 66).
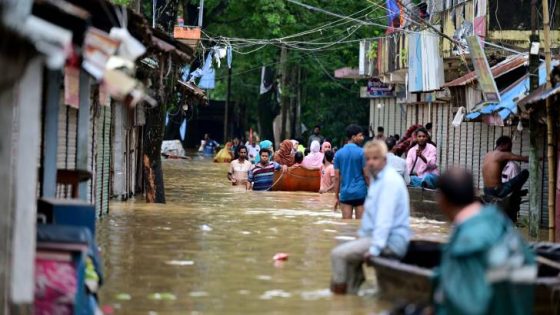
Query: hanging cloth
(183, 129)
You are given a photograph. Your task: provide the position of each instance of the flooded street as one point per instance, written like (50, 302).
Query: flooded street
(209, 250)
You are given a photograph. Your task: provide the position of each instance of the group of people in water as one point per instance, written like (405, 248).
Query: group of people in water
(485, 267)
(343, 171)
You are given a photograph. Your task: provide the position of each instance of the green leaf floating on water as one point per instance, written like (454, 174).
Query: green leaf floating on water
(123, 297)
(162, 296)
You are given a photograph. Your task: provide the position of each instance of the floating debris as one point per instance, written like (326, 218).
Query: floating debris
(198, 294)
(162, 297)
(281, 256)
(316, 295)
(123, 297)
(345, 238)
(275, 293)
(264, 277)
(206, 228)
(180, 262)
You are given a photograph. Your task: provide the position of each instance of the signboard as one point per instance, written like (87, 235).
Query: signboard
(98, 47)
(486, 81)
(377, 89)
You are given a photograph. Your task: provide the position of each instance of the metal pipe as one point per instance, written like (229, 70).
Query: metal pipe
(200, 13)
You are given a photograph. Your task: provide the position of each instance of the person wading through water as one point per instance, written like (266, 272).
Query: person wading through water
(239, 169)
(261, 175)
(351, 177)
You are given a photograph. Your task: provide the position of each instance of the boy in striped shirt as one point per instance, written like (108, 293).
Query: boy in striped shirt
(261, 175)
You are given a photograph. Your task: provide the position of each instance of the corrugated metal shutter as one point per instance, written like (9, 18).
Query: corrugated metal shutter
(91, 156)
(66, 152)
(103, 164)
(463, 146)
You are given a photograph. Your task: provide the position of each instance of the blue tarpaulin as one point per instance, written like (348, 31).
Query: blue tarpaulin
(394, 11)
(510, 96)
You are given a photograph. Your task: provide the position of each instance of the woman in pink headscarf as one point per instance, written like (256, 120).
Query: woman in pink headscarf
(326, 147)
(315, 159)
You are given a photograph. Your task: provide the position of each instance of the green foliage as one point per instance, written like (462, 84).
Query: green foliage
(121, 2)
(327, 101)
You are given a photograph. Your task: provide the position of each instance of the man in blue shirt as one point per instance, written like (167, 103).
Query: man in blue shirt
(350, 174)
(385, 227)
(210, 145)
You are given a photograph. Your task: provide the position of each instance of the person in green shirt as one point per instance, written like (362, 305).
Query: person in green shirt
(486, 267)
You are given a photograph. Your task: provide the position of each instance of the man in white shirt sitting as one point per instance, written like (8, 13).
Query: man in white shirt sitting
(398, 163)
(385, 226)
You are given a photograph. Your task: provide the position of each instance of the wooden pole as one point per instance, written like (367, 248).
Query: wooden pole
(549, 126)
(284, 98)
(534, 178)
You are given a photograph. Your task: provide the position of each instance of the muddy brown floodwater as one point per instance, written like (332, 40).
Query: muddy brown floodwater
(209, 250)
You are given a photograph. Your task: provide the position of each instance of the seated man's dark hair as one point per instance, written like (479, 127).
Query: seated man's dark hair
(457, 186)
(391, 142)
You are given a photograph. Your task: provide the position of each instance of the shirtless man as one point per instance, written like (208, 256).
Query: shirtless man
(494, 163)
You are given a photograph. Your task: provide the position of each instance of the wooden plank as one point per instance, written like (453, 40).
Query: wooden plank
(82, 151)
(535, 200)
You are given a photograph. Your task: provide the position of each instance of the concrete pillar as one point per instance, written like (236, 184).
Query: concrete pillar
(27, 152)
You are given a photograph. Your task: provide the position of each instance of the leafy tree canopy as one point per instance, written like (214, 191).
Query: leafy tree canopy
(329, 102)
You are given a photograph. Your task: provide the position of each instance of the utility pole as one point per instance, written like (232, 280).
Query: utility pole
(284, 98)
(298, 105)
(549, 127)
(200, 13)
(228, 100)
(154, 6)
(534, 178)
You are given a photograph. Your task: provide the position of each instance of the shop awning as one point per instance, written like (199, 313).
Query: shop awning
(510, 97)
(539, 95)
(498, 70)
